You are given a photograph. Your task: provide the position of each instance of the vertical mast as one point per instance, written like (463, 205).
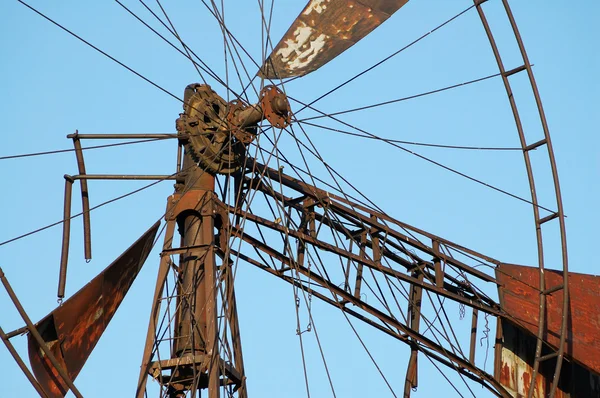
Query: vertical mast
(196, 322)
(214, 134)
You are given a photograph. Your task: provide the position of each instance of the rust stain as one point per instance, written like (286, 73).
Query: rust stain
(526, 381)
(72, 330)
(322, 31)
(506, 375)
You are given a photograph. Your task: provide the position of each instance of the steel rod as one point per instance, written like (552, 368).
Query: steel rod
(473, 336)
(85, 199)
(121, 136)
(439, 273)
(36, 335)
(84, 177)
(64, 257)
(414, 320)
(17, 332)
(179, 153)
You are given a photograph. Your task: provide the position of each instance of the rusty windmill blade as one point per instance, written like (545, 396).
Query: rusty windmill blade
(519, 292)
(72, 330)
(322, 31)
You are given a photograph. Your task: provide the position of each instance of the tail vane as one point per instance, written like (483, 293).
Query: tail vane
(73, 329)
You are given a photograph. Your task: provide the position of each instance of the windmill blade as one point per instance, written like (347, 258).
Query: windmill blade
(322, 31)
(72, 330)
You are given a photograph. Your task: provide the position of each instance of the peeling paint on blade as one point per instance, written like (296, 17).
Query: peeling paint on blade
(317, 6)
(301, 50)
(322, 31)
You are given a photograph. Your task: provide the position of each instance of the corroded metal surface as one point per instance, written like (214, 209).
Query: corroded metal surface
(519, 296)
(322, 31)
(72, 330)
(514, 369)
(215, 133)
(204, 123)
(521, 300)
(275, 106)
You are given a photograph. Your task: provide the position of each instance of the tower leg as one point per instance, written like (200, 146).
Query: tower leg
(151, 337)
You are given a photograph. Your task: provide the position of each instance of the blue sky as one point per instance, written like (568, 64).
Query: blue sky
(52, 84)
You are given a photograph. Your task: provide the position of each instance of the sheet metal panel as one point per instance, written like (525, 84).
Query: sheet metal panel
(72, 330)
(519, 296)
(515, 367)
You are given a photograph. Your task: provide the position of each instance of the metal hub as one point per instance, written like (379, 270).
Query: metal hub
(208, 137)
(215, 133)
(275, 107)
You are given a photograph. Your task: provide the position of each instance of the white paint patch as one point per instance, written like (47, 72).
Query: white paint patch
(98, 313)
(301, 50)
(100, 309)
(316, 5)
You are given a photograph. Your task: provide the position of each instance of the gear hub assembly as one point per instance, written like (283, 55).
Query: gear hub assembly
(215, 133)
(208, 138)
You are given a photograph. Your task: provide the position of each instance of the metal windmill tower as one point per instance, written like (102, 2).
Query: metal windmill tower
(193, 343)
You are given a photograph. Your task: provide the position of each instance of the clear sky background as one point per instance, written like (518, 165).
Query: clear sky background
(52, 84)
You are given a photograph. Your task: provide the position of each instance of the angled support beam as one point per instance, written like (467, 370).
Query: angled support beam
(38, 338)
(340, 296)
(24, 368)
(470, 301)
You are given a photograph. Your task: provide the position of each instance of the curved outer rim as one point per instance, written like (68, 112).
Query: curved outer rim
(539, 221)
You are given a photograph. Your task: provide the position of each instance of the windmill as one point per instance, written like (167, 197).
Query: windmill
(302, 215)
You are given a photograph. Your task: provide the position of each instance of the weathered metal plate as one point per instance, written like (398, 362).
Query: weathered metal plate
(519, 296)
(322, 31)
(514, 369)
(72, 330)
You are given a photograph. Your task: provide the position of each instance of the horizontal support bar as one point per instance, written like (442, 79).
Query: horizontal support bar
(122, 177)
(515, 70)
(169, 364)
(548, 356)
(535, 145)
(548, 218)
(17, 332)
(553, 289)
(122, 136)
(181, 250)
